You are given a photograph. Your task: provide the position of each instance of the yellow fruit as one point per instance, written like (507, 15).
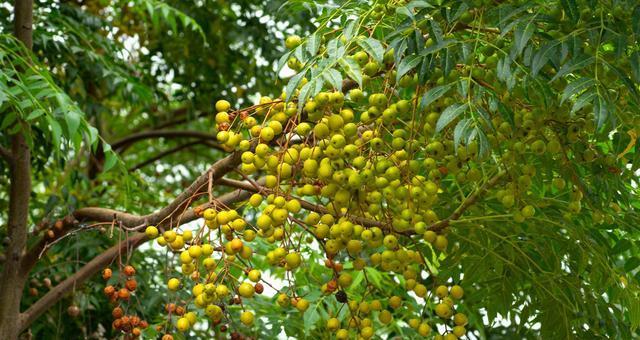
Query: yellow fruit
(247, 318)
(246, 290)
(222, 105)
(460, 319)
(366, 332)
(293, 260)
(254, 275)
(192, 317)
(442, 291)
(385, 317)
(195, 251)
(170, 236)
(457, 292)
(151, 232)
(333, 324)
(424, 329)
(302, 305)
(173, 284)
(459, 331)
(183, 324)
(443, 310)
(395, 302)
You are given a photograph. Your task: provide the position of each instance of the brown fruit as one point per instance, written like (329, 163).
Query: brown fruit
(73, 311)
(58, 225)
(179, 310)
(107, 273)
(259, 288)
(109, 290)
(131, 284)
(123, 294)
(117, 313)
(129, 271)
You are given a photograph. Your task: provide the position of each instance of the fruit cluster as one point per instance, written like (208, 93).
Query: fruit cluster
(130, 325)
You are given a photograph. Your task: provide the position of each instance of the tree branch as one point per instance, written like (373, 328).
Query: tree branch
(164, 154)
(163, 218)
(469, 201)
(126, 142)
(102, 260)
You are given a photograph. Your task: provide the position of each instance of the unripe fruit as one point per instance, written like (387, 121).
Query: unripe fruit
(151, 232)
(222, 105)
(443, 310)
(457, 292)
(302, 305)
(442, 291)
(173, 284)
(183, 324)
(246, 290)
(385, 317)
(247, 318)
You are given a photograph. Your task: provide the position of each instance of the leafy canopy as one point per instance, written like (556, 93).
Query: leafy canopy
(431, 168)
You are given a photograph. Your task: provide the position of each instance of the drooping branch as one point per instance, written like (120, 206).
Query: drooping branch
(123, 144)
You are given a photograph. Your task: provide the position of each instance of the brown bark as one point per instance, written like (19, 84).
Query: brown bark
(12, 280)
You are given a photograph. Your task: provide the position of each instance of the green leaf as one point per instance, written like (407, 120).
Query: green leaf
(110, 159)
(631, 264)
(313, 44)
(352, 69)
(576, 87)
(35, 114)
(434, 94)
(449, 115)
(461, 132)
(56, 130)
(373, 47)
(350, 29)
(334, 78)
(635, 21)
(572, 66)
(72, 120)
(634, 60)
(522, 35)
(600, 110)
(571, 9)
(407, 64)
(293, 84)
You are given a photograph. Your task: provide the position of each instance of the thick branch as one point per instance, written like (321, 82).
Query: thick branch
(125, 143)
(163, 217)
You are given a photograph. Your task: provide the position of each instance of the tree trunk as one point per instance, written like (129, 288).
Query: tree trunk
(13, 279)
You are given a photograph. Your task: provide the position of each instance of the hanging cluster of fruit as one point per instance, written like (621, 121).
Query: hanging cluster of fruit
(130, 325)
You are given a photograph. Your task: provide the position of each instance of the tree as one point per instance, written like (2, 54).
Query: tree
(429, 168)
